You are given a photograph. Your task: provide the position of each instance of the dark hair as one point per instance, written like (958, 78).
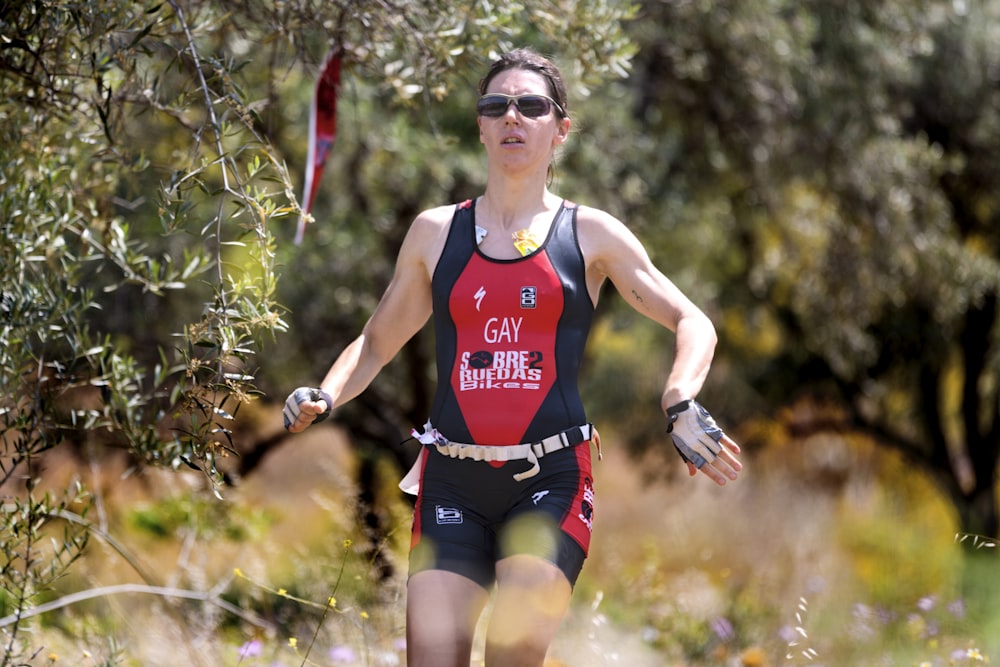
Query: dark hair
(530, 61)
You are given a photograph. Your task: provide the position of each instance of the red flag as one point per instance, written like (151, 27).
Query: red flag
(322, 132)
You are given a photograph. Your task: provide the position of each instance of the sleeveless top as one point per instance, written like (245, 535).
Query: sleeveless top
(510, 335)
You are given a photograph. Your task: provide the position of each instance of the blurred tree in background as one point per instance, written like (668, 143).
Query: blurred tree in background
(820, 176)
(845, 158)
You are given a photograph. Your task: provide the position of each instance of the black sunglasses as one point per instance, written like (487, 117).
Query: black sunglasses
(530, 105)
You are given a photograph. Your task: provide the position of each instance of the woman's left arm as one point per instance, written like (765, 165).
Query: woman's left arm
(613, 252)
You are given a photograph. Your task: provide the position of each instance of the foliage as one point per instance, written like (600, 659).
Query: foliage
(139, 189)
(820, 176)
(205, 519)
(33, 558)
(829, 172)
(111, 102)
(663, 584)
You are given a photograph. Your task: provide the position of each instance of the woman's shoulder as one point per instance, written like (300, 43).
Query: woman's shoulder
(604, 238)
(596, 221)
(439, 216)
(432, 222)
(428, 232)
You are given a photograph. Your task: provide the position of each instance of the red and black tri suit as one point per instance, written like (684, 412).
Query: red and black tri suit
(510, 339)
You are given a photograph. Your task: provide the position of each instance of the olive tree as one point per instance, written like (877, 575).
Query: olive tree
(144, 188)
(839, 162)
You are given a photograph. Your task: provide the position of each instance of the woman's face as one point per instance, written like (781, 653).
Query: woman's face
(516, 141)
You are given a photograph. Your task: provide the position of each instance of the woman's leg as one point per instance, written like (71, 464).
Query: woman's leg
(442, 609)
(532, 598)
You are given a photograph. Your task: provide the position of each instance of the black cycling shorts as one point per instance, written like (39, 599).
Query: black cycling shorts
(470, 514)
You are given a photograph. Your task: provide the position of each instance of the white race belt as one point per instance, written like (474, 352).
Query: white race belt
(529, 451)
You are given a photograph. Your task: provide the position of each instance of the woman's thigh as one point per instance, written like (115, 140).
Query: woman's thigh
(532, 597)
(442, 609)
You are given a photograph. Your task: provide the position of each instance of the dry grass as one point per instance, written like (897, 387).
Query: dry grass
(828, 554)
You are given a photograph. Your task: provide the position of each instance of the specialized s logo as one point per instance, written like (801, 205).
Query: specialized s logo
(480, 293)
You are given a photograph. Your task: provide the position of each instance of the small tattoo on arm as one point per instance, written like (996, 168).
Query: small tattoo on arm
(637, 297)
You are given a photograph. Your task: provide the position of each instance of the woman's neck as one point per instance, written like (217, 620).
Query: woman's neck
(510, 206)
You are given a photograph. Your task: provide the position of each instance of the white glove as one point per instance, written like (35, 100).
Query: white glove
(696, 435)
(292, 410)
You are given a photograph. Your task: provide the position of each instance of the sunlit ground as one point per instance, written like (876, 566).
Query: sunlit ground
(825, 553)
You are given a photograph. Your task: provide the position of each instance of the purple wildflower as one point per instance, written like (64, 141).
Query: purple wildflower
(251, 649)
(342, 655)
(723, 629)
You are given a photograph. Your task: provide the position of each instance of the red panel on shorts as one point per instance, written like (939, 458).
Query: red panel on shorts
(579, 520)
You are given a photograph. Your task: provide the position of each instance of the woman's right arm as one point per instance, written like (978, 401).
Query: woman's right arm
(401, 312)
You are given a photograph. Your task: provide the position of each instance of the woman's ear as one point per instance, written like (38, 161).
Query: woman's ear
(562, 133)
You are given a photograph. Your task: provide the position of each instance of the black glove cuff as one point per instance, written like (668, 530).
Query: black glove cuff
(674, 411)
(316, 394)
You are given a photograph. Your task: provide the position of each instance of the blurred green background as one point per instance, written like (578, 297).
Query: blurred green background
(821, 177)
